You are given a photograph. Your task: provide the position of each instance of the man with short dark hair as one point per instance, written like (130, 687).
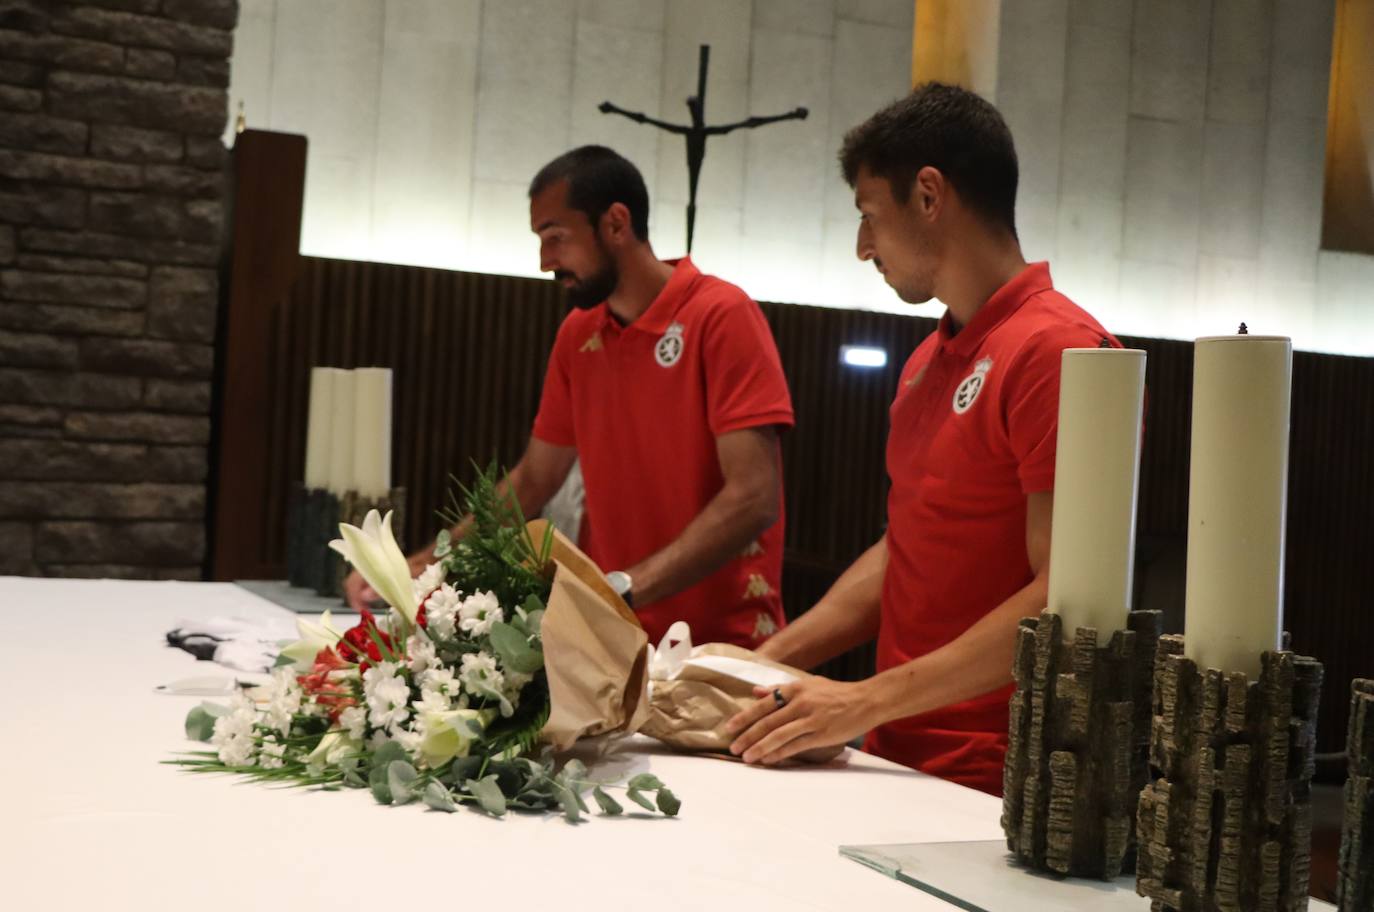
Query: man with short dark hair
(666, 385)
(970, 454)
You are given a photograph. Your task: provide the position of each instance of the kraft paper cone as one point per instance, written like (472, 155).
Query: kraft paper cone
(594, 651)
(689, 711)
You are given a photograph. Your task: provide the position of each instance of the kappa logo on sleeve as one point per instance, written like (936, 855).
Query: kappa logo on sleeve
(968, 391)
(669, 347)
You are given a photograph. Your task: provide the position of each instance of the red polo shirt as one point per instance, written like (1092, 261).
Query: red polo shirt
(973, 433)
(643, 404)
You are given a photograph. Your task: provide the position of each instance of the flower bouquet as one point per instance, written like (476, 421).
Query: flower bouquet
(510, 645)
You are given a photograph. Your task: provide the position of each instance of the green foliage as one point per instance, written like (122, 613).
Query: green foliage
(498, 555)
(200, 722)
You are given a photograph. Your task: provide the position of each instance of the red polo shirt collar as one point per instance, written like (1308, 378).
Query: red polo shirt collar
(1004, 302)
(661, 313)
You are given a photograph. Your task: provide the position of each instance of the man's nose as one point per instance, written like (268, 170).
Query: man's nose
(863, 246)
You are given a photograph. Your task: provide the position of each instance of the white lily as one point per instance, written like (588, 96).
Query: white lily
(314, 637)
(333, 747)
(450, 734)
(374, 552)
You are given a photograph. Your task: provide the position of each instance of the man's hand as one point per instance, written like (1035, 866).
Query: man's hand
(358, 593)
(818, 712)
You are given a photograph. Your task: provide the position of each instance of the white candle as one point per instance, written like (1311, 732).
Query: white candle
(318, 423)
(1096, 478)
(1237, 501)
(341, 435)
(372, 431)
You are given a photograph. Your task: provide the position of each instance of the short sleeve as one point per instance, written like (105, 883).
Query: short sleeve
(745, 386)
(1032, 401)
(554, 422)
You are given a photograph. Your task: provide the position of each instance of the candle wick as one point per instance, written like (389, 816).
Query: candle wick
(1244, 330)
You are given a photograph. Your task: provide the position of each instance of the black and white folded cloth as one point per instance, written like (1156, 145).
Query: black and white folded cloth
(243, 644)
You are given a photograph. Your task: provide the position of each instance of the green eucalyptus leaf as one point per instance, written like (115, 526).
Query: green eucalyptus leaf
(200, 721)
(400, 780)
(638, 798)
(569, 801)
(488, 794)
(383, 756)
(646, 782)
(438, 798)
(464, 768)
(379, 782)
(668, 803)
(514, 650)
(609, 805)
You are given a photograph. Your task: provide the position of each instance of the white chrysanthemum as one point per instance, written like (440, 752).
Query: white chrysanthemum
(420, 649)
(480, 674)
(441, 612)
(387, 695)
(353, 719)
(283, 695)
(271, 754)
(515, 682)
(428, 580)
(410, 740)
(479, 612)
(234, 735)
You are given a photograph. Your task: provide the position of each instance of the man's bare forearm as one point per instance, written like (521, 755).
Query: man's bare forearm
(977, 662)
(847, 616)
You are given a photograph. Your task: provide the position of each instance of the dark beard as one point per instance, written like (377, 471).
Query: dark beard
(584, 294)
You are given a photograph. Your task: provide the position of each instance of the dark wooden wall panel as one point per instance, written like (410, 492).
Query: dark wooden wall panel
(469, 353)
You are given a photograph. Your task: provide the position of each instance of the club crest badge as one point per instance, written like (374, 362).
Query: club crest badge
(968, 391)
(669, 347)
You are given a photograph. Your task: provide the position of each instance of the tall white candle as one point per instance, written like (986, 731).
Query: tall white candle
(372, 431)
(317, 427)
(341, 435)
(1238, 500)
(1096, 478)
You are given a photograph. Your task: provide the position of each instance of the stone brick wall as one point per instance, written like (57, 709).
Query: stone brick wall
(112, 209)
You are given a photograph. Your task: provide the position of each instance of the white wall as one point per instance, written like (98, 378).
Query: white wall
(427, 119)
(1172, 156)
(1172, 151)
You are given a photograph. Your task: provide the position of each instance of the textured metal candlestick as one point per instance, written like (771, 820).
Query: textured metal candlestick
(1355, 883)
(1077, 745)
(1227, 823)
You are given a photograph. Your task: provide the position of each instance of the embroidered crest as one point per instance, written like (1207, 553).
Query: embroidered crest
(593, 343)
(968, 391)
(669, 347)
(765, 626)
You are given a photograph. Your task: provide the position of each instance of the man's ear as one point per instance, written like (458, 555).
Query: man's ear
(616, 229)
(928, 192)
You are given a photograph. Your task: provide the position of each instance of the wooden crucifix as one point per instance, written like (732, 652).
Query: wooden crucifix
(697, 132)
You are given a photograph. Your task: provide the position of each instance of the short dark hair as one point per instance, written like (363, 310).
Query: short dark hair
(598, 177)
(947, 128)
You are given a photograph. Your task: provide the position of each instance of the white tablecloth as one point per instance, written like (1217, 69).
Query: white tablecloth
(89, 819)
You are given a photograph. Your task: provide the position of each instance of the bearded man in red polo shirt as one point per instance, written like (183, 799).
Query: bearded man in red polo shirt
(666, 384)
(970, 454)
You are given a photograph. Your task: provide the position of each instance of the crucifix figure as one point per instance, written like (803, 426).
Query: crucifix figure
(697, 132)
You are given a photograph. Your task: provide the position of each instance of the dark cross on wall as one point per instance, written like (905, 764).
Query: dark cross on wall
(697, 132)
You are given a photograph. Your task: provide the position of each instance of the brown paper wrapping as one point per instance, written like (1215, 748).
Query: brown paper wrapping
(594, 651)
(690, 711)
